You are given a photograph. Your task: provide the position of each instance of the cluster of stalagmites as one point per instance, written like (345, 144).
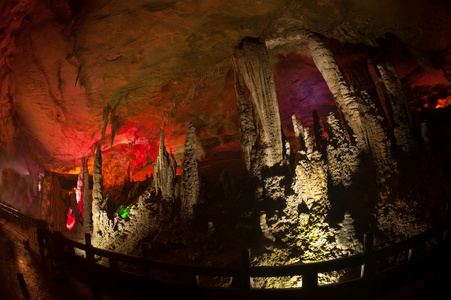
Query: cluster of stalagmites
(327, 175)
(301, 198)
(163, 204)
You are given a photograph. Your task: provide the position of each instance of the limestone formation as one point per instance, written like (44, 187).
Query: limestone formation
(190, 184)
(402, 122)
(97, 196)
(252, 61)
(310, 183)
(165, 171)
(342, 157)
(87, 218)
(357, 109)
(247, 126)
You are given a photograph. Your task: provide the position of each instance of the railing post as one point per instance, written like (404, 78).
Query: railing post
(89, 253)
(309, 281)
(42, 232)
(369, 264)
(245, 278)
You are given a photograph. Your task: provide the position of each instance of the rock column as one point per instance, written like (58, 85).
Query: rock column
(357, 109)
(165, 171)
(87, 218)
(97, 196)
(189, 193)
(252, 62)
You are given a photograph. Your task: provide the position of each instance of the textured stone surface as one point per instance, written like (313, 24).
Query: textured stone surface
(189, 190)
(165, 171)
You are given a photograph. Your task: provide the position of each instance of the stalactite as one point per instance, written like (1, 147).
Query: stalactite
(165, 171)
(247, 126)
(87, 218)
(342, 156)
(357, 109)
(402, 121)
(189, 193)
(97, 196)
(252, 61)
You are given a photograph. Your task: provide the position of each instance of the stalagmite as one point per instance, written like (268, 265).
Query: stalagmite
(402, 122)
(357, 109)
(97, 196)
(252, 61)
(189, 193)
(165, 171)
(87, 218)
(310, 182)
(342, 156)
(247, 126)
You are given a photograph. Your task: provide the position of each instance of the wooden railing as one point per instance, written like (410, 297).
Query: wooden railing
(379, 271)
(24, 225)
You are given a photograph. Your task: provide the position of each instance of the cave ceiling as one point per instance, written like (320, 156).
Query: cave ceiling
(152, 65)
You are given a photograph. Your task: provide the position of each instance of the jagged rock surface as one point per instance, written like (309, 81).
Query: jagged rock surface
(252, 61)
(190, 185)
(358, 111)
(97, 196)
(247, 126)
(342, 157)
(402, 123)
(165, 171)
(87, 218)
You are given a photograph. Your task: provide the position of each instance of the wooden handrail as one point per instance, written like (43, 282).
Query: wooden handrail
(245, 271)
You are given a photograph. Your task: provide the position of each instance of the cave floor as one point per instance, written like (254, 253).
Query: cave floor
(47, 282)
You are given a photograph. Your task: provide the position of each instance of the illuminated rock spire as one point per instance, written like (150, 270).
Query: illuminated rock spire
(189, 192)
(357, 110)
(97, 196)
(252, 62)
(87, 218)
(165, 170)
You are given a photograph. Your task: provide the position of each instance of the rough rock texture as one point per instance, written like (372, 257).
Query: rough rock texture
(190, 185)
(310, 184)
(165, 171)
(252, 61)
(87, 216)
(247, 125)
(151, 218)
(342, 157)
(402, 122)
(357, 109)
(97, 195)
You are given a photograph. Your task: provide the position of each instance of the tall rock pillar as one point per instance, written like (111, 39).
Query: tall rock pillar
(97, 196)
(358, 111)
(87, 218)
(165, 170)
(189, 192)
(252, 62)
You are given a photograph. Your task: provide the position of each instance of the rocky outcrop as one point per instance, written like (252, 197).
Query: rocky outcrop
(310, 182)
(190, 185)
(97, 196)
(342, 157)
(165, 168)
(252, 62)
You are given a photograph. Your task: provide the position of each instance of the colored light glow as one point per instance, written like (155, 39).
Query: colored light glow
(441, 103)
(70, 223)
(123, 211)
